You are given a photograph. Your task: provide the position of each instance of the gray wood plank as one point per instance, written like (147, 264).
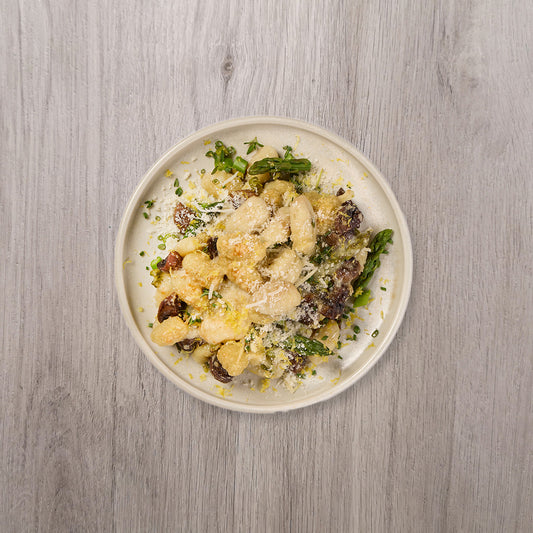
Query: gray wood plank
(437, 437)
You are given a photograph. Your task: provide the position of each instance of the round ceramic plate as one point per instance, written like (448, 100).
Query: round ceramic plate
(342, 165)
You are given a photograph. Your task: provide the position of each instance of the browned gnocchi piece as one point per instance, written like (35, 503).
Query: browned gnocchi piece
(204, 270)
(303, 226)
(220, 182)
(251, 216)
(241, 247)
(276, 298)
(187, 288)
(233, 358)
(278, 193)
(286, 266)
(278, 229)
(246, 276)
(169, 332)
(222, 327)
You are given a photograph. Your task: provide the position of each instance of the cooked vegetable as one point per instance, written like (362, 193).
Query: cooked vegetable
(223, 156)
(277, 164)
(306, 347)
(362, 299)
(240, 165)
(377, 247)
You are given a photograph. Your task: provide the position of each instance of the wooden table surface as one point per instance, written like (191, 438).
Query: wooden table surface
(438, 436)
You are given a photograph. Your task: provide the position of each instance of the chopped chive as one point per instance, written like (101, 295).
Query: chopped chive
(158, 218)
(147, 268)
(202, 171)
(150, 324)
(153, 264)
(160, 238)
(145, 215)
(375, 333)
(162, 246)
(357, 329)
(324, 337)
(339, 345)
(240, 165)
(383, 288)
(313, 372)
(176, 182)
(141, 254)
(179, 191)
(339, 356)
(149, 203)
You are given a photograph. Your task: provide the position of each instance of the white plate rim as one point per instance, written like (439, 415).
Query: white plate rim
(133, 204)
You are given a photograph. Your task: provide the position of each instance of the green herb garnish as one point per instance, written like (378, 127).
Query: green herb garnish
(206, 206)
(375, 333)
(193, 228)
(205, 292)
(223, 156)
(323, 253)
(252, 145)
(149, 203)
(305, 346)
(288, 153)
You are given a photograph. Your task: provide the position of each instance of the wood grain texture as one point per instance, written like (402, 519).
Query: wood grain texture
(438, 437)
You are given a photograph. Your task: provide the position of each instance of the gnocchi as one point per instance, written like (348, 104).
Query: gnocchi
(259, 274)
(303, 226)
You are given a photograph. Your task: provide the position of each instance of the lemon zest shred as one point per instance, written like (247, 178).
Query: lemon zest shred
(265, 384)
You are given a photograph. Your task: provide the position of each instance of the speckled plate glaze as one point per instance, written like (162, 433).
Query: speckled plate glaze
(343, 164)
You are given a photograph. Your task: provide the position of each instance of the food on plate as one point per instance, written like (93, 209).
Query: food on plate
(260, 274)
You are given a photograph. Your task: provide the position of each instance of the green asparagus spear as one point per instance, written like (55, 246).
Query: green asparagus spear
(276, 164)
(377, 247)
